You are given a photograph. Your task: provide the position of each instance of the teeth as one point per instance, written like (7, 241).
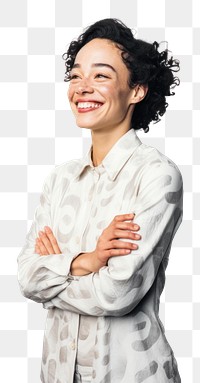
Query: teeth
(84, 105)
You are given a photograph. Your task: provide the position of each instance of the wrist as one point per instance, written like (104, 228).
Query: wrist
(86, 263)
(81, 265)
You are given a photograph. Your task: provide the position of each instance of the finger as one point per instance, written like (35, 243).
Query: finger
(116, 244)
(46, 242)
(118, 219)
(114, 233)
(126, 234)
(37, 249)
(123, 217)
(116, 252)
(42, 248)
(127, 226)
(52, 239)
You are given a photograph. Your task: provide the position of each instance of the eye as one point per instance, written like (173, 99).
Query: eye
(73, 77)
(101, 75)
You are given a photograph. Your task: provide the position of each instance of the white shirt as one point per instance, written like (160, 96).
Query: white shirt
(116, 308)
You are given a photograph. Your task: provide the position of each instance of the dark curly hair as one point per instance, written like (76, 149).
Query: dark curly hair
(145, 63)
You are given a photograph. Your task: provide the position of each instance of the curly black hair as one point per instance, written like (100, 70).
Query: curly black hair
(145, 63)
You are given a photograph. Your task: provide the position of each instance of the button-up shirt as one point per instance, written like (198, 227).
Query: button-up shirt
(107, 319)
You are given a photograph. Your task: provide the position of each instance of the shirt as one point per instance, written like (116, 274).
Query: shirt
(121, 301)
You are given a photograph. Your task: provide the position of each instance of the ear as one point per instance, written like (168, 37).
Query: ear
(138, 93)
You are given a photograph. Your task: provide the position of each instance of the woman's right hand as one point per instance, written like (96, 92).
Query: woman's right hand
(108, 245)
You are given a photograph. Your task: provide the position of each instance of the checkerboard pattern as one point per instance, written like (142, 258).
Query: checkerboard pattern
(37, 132)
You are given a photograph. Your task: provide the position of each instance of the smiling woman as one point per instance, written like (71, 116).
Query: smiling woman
(97, 267)
(145, 64)
(99, 94)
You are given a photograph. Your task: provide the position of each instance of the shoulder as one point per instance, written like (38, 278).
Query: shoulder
(157, 166)
(62, 173)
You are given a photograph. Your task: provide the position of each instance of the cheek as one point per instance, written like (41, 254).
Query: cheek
(109, 92)
(70, 93)
(115, 92)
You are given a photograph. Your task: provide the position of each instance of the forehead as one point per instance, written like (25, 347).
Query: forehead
(100, 50)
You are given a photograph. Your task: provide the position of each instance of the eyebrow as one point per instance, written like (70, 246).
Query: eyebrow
(96, 65)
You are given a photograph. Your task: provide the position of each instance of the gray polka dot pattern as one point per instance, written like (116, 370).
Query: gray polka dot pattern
(107, 321)
(148, 371)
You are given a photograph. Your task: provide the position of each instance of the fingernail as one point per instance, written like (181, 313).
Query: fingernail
(137, 236)
(134, 246)
(47, 229)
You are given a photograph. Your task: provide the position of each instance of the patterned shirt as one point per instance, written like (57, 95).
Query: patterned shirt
(109, 319)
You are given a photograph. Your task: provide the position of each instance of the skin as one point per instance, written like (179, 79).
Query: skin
(107, 245)
(112, 120)
(107, 86)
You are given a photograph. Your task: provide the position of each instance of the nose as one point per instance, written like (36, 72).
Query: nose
(84, 87)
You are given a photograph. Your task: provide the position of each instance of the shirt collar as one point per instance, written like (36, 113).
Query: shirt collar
(116, 158)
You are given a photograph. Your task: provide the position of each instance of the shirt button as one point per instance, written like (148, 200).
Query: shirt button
(94, 374)
(72, 346)
(90, 195)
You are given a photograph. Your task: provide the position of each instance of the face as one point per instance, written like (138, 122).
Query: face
(99, 94)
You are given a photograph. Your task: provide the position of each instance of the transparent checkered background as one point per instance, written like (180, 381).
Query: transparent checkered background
(37, 132)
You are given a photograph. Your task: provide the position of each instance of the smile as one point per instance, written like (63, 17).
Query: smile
(88, 106)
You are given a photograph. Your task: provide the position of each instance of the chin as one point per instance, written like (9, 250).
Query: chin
(85, 125)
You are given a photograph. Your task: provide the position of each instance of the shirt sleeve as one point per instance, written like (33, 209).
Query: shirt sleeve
(42, 277)
(117, 288)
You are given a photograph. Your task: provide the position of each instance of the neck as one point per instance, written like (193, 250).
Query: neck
(102, 142)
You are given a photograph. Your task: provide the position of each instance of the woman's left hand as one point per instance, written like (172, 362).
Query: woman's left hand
(46, 243)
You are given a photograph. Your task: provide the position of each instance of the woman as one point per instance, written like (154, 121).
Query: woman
(98, 247)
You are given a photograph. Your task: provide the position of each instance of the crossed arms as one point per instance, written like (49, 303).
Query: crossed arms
(109, 285)
(108, 245)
